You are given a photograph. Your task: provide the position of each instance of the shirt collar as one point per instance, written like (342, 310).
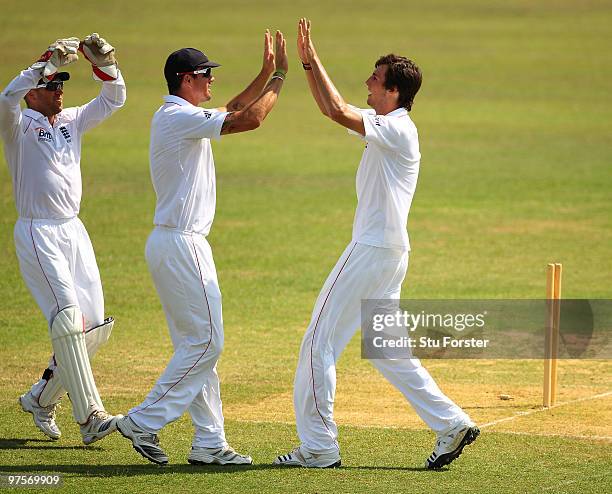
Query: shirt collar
(177, 100)
(398, 112)
(28, 112)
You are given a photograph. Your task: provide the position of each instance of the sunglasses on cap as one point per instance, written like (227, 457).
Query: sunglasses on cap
(52, 86)
(205, 72)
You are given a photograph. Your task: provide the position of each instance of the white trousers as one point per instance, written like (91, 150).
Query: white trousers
(362, 272)
(185, 277)
(58, 265)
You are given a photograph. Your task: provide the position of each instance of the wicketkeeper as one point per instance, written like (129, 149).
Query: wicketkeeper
(42, 145)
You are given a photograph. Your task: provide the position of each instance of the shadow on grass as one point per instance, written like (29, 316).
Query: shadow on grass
(40, 444)
(139, 470)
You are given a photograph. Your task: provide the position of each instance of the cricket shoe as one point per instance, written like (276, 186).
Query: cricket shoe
(300, 458)
(145, 443)
(450, 444)
(44, 417)
(217, 456)
(99, 425)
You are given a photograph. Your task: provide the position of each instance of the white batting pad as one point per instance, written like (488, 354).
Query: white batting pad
(73, 369)
(94, 339)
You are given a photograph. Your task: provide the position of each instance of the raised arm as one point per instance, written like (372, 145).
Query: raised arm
(255, 88)
(251, 117)
(10, 110)
(325, 93)
(104, 67)
(59, 54)
(312, 84)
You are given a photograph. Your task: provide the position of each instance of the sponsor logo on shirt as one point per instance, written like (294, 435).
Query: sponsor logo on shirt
(65, 133)
(207, 114)
(377, 120)
(43, 134)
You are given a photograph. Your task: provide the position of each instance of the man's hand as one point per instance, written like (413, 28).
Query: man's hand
(309, 49)
(268, 55)
(59, 54)
(280, 57)
(303, 24)
(101, 55)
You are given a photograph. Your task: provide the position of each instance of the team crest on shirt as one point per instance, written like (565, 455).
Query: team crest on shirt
(43, 134)
(65, 133)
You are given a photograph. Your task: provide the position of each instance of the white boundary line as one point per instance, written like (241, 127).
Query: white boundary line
(539, 410)
(562, 436)
(488, 424)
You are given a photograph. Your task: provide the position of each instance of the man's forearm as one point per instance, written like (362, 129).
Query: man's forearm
(21, 84)
(250, 94)
(112, 97)
(10, 110)
(312, 84)
(329, 96)
(254, 114)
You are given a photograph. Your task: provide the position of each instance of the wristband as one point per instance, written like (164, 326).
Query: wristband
(279, 74)
(306, 66)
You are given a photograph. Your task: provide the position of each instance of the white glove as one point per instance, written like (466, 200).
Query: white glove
(101, 55)
(60, 53)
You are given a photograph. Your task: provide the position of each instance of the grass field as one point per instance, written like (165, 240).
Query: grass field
(514, 122)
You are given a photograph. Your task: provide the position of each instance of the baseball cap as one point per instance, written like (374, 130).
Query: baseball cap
(58, 77)
(186, 60)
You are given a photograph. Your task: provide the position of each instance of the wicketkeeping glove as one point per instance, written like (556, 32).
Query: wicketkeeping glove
(101, 55)
(60, 53)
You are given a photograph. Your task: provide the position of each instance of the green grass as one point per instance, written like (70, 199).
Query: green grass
(514, 125)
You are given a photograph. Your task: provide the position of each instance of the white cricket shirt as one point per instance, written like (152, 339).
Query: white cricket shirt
(386, 179)
(45, 160)
(182, 165)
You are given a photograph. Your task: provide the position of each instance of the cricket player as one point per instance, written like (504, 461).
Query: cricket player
(42, 145)
(179, 256)
(372, 266)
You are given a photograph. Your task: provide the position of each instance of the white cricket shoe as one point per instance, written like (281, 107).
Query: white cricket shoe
(217, 456)
(99, 425)
(145, 443)
(300, 458)
(44, 417)
(450, 444)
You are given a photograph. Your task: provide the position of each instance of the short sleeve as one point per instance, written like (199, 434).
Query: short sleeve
(363, 112)
(383, 131)
(198, 123)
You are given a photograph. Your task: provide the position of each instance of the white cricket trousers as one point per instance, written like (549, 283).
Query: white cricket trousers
(58, 265)
(362, 272)
(183, 270)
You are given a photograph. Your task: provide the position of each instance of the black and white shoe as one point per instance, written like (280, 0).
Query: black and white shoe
(450, 444)
(99, 425)
(145, 443)
(217, 456)
(301, 458)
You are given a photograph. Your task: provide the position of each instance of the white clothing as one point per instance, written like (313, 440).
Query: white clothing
(362, 272)
(185, 277)
(55, 254)
(386, 179)
(58, 265)
(45, 160)
(182, 267)
(372, 267)
(182, 165)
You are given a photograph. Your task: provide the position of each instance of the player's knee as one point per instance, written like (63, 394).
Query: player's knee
(216, 345)
(67, 322)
